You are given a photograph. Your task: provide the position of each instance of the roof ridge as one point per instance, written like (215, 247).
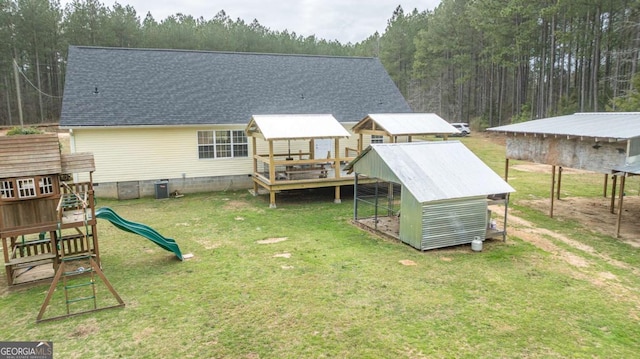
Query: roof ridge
(216, 52)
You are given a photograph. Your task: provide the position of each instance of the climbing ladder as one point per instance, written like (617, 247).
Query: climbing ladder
(78, 266)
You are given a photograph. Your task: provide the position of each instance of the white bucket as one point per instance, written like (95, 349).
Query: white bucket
(476, 244)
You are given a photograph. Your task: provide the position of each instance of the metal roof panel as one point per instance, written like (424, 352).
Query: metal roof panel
(434, 171)
(303, 126)
(413, 123)
(614, 125)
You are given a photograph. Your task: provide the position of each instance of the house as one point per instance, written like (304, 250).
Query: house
(179, 117)
(429, 194)
(607, 143)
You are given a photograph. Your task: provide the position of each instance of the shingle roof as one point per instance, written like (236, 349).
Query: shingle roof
(611, 125)
(129, 87)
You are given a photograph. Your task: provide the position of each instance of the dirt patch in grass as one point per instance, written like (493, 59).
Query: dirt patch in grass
(541, 168)
(408, 262)
(140, 336)
(272, 240)
(234, 204)
(84, 330)
(583, 266)
(594, 214)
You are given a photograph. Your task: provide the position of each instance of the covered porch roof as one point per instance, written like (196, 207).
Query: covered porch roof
(295, 127)
(404, 124)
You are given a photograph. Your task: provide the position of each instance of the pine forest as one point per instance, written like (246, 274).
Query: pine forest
(486, 62)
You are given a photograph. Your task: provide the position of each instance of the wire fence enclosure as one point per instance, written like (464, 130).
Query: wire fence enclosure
(377, 206)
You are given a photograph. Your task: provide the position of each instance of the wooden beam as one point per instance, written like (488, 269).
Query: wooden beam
(606, 178)
(559, 182)
(506, 170)
(255, 164)
(620, 199)
(553, 183)
(272, 176)
(336, 162)
(613, 194)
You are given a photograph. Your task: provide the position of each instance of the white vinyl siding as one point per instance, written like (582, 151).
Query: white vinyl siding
(137, 154)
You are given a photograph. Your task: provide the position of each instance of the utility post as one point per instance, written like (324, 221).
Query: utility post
(15, 74)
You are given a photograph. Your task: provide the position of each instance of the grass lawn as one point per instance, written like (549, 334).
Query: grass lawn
(330, 290)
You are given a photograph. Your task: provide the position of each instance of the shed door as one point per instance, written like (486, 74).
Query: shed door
(452, 223)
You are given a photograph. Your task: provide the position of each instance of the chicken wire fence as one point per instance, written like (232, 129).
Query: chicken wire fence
(375, 200)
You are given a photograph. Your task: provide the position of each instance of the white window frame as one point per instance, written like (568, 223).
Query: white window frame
(377, 139)
(222, 144)
(26, 187)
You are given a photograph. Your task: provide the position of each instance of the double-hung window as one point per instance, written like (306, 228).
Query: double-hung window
(222, 144)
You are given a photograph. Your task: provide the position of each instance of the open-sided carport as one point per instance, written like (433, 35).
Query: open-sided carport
(607, 143)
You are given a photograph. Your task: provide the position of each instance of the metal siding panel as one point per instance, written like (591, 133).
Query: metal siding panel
(410, 220)
(634, 147)
(453, 223)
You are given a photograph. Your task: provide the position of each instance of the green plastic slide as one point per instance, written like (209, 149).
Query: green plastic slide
(149, 233)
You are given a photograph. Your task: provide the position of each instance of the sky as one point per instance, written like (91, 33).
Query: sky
(342, 20)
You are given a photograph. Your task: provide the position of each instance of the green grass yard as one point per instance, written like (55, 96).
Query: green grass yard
(331, 290)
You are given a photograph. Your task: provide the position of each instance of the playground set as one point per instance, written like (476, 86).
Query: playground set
(48, 222)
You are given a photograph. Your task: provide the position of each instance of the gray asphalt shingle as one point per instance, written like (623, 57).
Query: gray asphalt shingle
(178, 87)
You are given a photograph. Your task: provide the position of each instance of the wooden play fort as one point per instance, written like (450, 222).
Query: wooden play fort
(47, 221)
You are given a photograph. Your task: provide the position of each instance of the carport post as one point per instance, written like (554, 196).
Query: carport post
(559, 182)
(613, 193)
(553, 184)
(506, 170)
(622, 178)
(606, 178)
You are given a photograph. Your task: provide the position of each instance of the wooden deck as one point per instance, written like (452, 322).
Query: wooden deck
(302, 176)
